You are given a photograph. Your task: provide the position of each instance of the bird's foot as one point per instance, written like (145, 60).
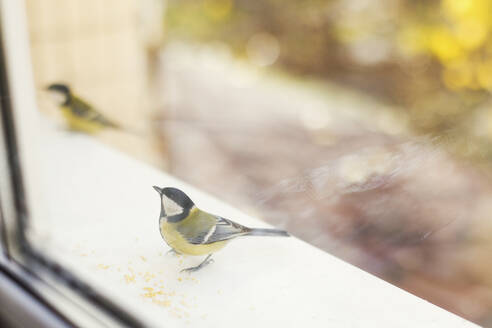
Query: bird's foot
(206, 262)
(173, 251)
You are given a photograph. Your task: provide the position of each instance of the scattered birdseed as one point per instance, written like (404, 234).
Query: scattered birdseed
(164, 303)
(129, 278)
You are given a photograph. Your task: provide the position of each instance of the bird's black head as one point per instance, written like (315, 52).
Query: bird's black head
(175, 204)
(60, 89)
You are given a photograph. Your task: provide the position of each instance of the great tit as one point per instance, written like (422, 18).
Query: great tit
(189, 230)
(79, 115)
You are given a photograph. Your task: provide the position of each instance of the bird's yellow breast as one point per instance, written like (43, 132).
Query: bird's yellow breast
(80, 124)
(174, 239)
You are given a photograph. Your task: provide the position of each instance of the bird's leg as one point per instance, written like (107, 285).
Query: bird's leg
(173, 251)
(205, 262)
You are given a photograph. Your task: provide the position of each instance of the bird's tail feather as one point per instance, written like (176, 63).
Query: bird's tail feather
(268, 232)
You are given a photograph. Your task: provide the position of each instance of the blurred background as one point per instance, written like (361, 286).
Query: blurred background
(362, 127)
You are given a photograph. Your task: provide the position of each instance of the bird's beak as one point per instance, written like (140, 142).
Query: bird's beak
(159, 190)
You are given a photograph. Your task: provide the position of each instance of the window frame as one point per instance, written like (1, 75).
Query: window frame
(62, 297)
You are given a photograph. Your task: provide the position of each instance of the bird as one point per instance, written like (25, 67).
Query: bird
(79, 115)
(191, 231)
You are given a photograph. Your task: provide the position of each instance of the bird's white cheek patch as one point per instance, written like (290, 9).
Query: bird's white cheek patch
(171, 207)
(58, 98)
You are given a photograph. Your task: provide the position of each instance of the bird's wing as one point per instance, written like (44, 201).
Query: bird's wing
(212, 229)
(224, 229)
(84, 110)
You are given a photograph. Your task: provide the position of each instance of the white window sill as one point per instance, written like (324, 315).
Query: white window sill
(102, 222)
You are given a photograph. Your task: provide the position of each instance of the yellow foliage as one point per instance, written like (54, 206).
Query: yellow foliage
(471, 34)
(459, 10)
(456, 38)
(443, 44)
(484, 74)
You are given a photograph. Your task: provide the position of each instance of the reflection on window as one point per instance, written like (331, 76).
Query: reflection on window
(362, 128)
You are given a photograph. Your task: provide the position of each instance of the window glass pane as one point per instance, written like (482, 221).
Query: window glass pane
(359, 126)
(362, 128)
